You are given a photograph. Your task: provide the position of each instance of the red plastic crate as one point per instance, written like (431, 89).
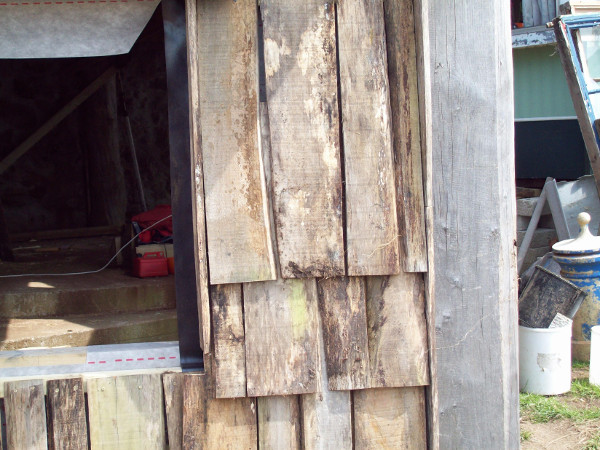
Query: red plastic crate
(151, 264)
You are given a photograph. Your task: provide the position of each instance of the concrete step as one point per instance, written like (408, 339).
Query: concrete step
(110, 291)
(542, 237)
(84, 330)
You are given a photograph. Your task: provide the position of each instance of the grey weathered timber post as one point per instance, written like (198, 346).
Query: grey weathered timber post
(474, 224)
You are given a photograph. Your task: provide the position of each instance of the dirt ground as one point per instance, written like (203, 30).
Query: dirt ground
(563, 434)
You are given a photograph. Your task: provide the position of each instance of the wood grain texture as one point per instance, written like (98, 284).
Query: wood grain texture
(126, 412)
(279, 422)
(198, 209)
(343, 313)
(210, 423)
(390, 418)
(281, 322)
(404, 96)
(326, 415)
(421, 10)
(229, 352)
(301, 82)
(25, 415)
(67, 426)
(474, 252)
(397, 329)
(173, 391)
(371, 216)
(237, 222)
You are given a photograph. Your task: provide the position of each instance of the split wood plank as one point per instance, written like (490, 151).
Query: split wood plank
(25, 410)
(326, 415)
(210, 423)
(173, 391)
(229, 353)
(404, 96)
(67, 426)
(281, 323)
(390, 418)
(199, 228)
(371, 217)
(301, 82)
(237, 223)
(126, 411)
(279, 423)
(343, 314)
(397, 331)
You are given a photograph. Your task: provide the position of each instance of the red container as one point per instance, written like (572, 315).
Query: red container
(152, 264)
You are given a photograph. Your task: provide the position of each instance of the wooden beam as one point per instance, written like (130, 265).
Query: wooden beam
(474, 231)
(301, 82)
(42, 131)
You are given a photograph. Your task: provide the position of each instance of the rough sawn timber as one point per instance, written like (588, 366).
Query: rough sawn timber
(229, 353)
(301, 82)
(281, 323)
(343, 315)
(199, 229)
(474, 228)
(371, 218)
(404, 95)
(67, 425)
(25, 415)
(279, 422)
(237, 223)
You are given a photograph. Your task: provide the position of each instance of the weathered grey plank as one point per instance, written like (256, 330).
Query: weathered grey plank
(390, 418)
(371, 218)
(300, 64)
(344, 318)
(281, 323)
(126, 411)
(398, 351)
(25, 415)
(404, 96)
(473, 240)
(210, 423)
(229, 352)
(279, 422)
(199, 228)
(237, 223)
(173, 389)
(67, 426)
(326, 415)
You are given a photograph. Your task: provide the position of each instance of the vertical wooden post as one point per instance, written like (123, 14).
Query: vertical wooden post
(474, 224)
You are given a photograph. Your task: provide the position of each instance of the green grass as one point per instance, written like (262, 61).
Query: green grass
(526, 435)
(593, 444)
(540, 409)
(580, 364)
(582, 388)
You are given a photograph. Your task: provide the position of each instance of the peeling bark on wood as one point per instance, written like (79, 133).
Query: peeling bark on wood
(300, 65)
(371, 217)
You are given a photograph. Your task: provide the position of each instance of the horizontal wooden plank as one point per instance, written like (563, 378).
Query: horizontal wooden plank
(301, 83)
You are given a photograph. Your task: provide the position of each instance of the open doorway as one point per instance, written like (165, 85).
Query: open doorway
(67, 202)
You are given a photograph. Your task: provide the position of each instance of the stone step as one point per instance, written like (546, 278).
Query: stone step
(526, 206)
(110, 291)
(542, 237)
(91, 329)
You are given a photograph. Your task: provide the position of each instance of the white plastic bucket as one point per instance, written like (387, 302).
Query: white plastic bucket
(595, 356)
(545, 360)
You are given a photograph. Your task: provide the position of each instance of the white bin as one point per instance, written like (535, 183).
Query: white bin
(595, 356)
(545, 360)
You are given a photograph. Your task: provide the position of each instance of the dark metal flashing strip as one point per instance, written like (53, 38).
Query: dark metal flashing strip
(181, 198)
